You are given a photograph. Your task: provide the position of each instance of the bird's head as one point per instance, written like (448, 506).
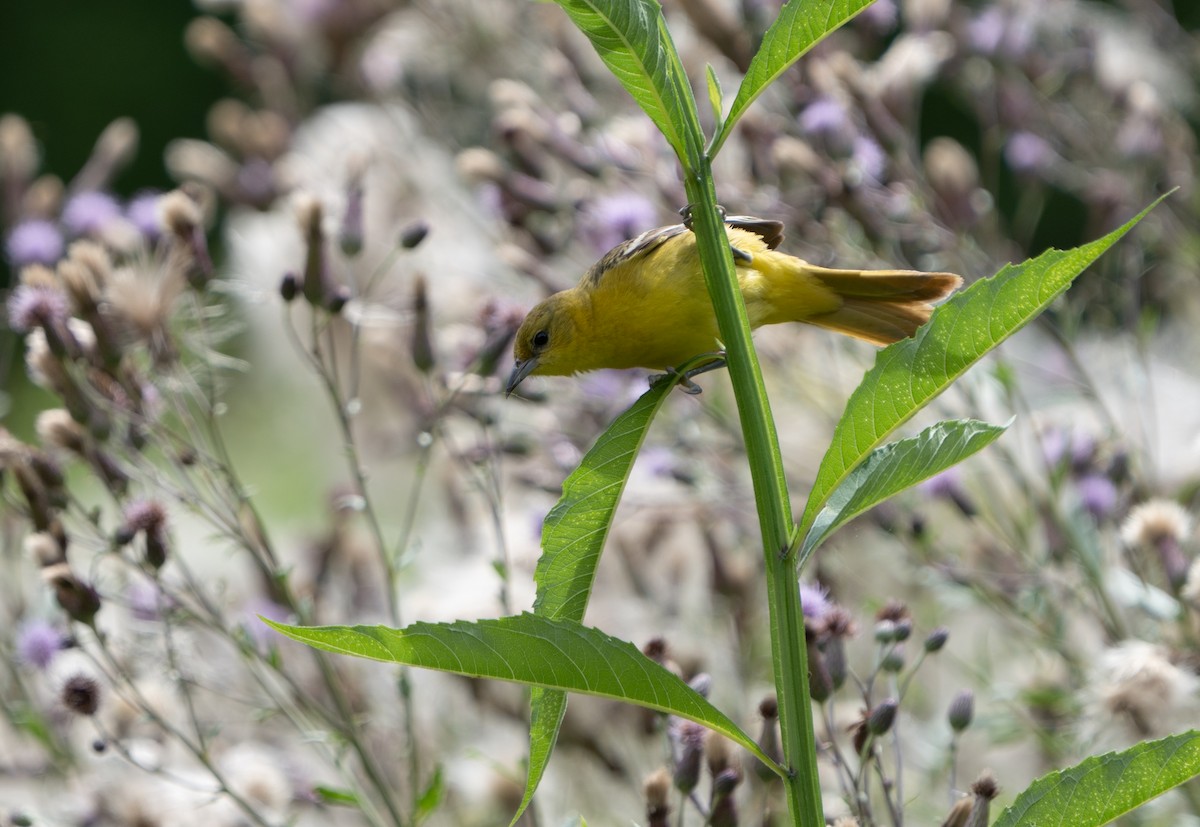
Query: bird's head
(547, 343)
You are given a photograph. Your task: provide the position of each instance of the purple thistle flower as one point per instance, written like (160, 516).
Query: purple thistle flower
(1055, 444)
(1097, 494)
(90, 212)
(31, 306)
(34, 242)
(145, 515)
(986, 32)
(657, 461)
(1026, 152)
(946, 484)
(142, 212)
(868, 156)
(146, 600)
(260, 633)
(825, 116)
(256, 182)
(37, 643)
(814, 600)
(881, 15)
(617, 218)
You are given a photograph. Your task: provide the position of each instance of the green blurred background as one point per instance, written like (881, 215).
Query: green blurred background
(72, 66)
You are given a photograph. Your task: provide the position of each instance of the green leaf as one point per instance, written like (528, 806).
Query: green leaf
(431, 798)
(631, 37)
(536, 651)
(910, 373)
(574, 532)
(715, 95)
(1105, 787)
(800, 26)
(893, 467)
(336, 795)
(573, 537)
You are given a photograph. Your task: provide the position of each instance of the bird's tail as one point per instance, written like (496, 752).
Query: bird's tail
(880, 306)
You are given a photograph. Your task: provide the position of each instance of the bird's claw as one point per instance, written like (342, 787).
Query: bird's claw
(684, 380)
(738, 254)
(686, 212)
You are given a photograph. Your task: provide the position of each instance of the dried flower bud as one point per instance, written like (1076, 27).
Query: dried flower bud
(689, 750)
(180, 215)
(724, 809)
(412, 235)
(820, 682)
(494, 349)
(936, 639)
(960, 812)
(309, 216)
(478, 165)
(834, 654)
(18, 149)
(768, 708)
(768, 738)
(94, 271)
(950, 168)
(43, 549)
(79, 600)
(882, 717)
(114, 149)
(42, 306)
(894, 610)
(350, 236)
(657, 790)
(983, 790)
(985, 786)
(49, 472)
(266, 135)
(212, 42)
(81, 694)
(422, 341)
(656, 649)
(37, 496)
(885, 631)
(57, 428)
(962, 710)
(1161, 526)
(338, 299)
(289, 286)
(149, 518)
(893, 659)
(39, 275)
(224, 123)
(716, 754)
(183, 219)
(156, 549)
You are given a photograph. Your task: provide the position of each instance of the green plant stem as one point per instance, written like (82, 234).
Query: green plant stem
(790, 658)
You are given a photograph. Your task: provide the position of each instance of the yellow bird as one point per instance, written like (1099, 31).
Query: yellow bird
(644, 304)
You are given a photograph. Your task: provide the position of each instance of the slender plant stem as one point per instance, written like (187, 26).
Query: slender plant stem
(801, 784)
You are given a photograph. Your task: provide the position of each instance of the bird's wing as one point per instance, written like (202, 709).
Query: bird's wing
(635, 247)
(769, 230)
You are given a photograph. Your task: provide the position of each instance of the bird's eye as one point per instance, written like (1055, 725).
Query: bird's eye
(541, 339)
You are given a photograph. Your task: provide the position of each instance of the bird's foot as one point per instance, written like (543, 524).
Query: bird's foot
(738, 253)
(685, 379)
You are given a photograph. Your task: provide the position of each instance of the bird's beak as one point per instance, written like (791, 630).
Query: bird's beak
(520, 371)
